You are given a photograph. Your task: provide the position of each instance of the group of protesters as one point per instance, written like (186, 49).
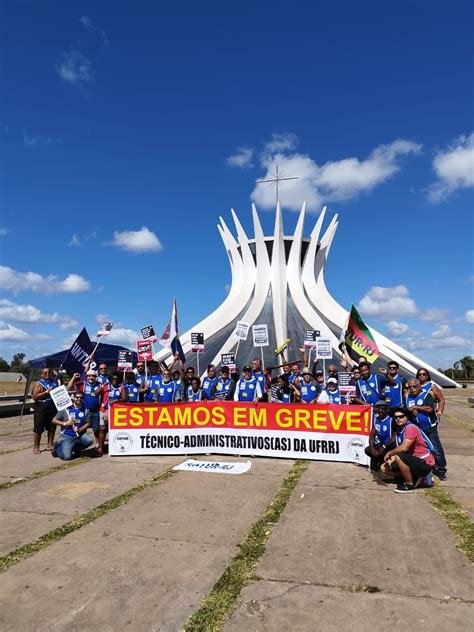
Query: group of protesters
(404, 443)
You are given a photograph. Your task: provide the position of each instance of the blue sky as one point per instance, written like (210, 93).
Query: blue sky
(128, 128)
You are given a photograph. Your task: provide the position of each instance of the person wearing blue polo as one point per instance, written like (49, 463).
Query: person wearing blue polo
(369, 386)
(209, 380)
(132, 388)
(74, 423)
(306, 390)
(258, 373)
(282, 392)
(396, 386)
(93, 392)
(194, 392)
(153, 382)
(247, 388)
(381, 438)
(421, 405)
(44, 410)
(167, 392)
(224, 388)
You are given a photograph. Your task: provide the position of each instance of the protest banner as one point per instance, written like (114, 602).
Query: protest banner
(148, 333)
(310, 338)
(241, 330)
(228, 359)
(197, 341)
(319, 432)
(358, 338)
(60, 397)
(144, 350)
(125, 360)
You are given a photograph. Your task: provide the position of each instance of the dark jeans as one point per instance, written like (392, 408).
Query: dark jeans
(376, 460)
(439, 456)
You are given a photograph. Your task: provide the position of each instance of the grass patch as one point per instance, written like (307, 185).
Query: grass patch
(458, 422)
(217, 604)
(455, 517)
(50, 470)
(27, 550)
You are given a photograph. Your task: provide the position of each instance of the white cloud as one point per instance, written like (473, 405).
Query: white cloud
(280, 143)
(92, 28)
(454, 168)
(75, 68)
(4, 231)
(123, 336)
(433, 314)
(16, 282)
(77, 240)
(396, 328)
(137, 241)
(450, 342)
(242, 158)
(443, 331)
(12, 334)
(388, 302)
(31, 314)
(74, 241)
(332, 181)
(469, 316)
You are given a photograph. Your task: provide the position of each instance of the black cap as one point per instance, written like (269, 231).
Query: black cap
(247, 368)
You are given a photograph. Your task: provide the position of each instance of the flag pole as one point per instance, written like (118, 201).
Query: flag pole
(197, 362)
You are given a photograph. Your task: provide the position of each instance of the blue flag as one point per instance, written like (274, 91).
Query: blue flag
(77, 356)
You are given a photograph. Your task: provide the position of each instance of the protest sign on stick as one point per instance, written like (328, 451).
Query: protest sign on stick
(148, 333)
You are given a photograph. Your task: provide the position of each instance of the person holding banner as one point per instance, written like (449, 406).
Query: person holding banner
(306, 391)
(258, 373)
(74, 422)
(44, 410)
(247, 388)
(283, 392)
(295, 376)
(154, 381)
(330, 395)
(209, 381)
(113, 392)
(369, 386)
(194, 392)
(93, 392)
(133, 389)
(140, 374)
(224, 388)
(167, 393)
(381, 439)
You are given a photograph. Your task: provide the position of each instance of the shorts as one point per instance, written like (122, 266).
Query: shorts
(94, 420)
(418, 467)
(43, 416)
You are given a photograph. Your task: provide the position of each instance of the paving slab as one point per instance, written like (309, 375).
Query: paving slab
(228, 503)
(67, 493)
(25, 463)
(267, 606)
(132, 570)
(334, 536)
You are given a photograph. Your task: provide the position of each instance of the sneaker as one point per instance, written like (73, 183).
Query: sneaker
(404, 488)
(443, 477)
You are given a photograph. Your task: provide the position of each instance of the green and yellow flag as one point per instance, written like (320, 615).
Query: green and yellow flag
(358, 338)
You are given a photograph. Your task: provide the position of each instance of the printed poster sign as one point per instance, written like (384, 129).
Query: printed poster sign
(105, 329)
(60, 397)
(197, 341)
(228, 359)
(125, 360)
(323, 349)
(241, 330)
(320, 432)
(260, 335)
(148, 333)
(144, 351)
(310, 337)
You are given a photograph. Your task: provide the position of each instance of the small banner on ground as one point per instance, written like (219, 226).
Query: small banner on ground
(318, 432)
(213, 467)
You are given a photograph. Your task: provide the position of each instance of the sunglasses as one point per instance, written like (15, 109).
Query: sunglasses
(399, 416)
(418, 374)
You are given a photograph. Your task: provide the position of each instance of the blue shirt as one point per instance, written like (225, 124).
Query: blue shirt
(207, 384)
(308, 391)
(80, 417)
(393, 393)
(383, 430)
(133, 392)
(369, 390)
